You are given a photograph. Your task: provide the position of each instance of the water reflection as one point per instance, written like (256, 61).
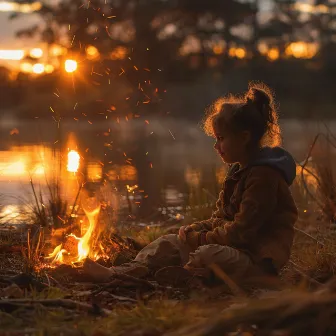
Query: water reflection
(184, 163)
(20, 163)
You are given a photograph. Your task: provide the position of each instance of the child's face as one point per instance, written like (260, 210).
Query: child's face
(231, 146)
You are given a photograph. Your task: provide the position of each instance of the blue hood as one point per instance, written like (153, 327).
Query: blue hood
(279, 159)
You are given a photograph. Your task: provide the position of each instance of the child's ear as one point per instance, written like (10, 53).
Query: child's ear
(246, 137)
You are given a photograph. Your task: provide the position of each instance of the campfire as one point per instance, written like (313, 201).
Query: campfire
(74, 249)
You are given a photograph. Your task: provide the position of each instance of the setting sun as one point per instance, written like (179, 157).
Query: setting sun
(73, 161)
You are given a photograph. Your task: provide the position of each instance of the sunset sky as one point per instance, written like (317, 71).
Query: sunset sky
(9, 27)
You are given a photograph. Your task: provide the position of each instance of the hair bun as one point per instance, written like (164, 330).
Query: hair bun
(259, 98)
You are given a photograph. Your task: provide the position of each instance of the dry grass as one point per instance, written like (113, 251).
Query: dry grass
(32, 253)
(306, 307)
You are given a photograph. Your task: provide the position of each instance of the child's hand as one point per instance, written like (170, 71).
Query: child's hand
(183, 232)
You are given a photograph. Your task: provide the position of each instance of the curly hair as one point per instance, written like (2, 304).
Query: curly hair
(255, 111)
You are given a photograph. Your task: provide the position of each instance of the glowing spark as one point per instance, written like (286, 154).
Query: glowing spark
(171, 134)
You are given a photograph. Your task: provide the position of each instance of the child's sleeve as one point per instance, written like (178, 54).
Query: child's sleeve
(258, 202)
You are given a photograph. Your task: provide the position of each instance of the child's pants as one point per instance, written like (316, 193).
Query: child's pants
(169, 250)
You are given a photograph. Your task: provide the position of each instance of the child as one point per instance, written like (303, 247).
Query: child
(251, 232)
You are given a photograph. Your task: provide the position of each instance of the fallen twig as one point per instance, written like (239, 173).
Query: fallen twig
(308, 235)
(235, 289)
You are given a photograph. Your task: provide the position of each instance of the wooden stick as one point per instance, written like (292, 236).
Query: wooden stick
(235, 289)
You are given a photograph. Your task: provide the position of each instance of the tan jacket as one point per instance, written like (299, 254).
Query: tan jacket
(255, 213)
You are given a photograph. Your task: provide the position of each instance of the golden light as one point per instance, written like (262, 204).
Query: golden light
(301, 49)
(273, 54)
(57, 50)
(39, 170)
(15, 169)
(26, 67)
(119, 53)
(232, 52)
(49, 68)
(36, 53)
(263, 48)
(92, 52)
(13, 55)
(10, 213)
(218, 49)
(308, 8)
(70, 65)
(8, 6)
(38, 68)
(240, 53)
(73, 161)
(9, 210)
(312, 49)
(94, 172)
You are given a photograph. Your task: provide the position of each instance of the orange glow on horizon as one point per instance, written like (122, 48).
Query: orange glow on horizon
(12, 55)
(9, 6)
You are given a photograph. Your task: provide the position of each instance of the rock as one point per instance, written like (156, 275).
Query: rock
(12, 291)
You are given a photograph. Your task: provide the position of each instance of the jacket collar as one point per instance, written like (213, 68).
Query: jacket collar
(235, 172)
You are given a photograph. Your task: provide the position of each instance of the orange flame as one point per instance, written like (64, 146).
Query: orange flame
(85, 243)
(57, 255)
